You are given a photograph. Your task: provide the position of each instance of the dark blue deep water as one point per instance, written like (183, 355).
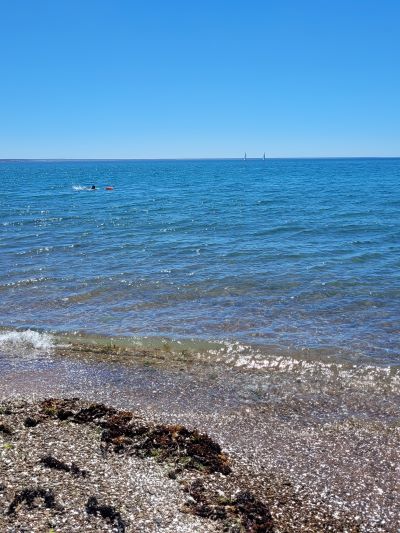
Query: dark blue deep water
(292, 254)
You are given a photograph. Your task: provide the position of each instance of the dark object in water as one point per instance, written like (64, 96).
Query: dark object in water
(29, 495)
(105, 511)
(93, 187)
(52, 462)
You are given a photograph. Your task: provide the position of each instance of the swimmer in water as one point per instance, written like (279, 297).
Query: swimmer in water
(93, 187)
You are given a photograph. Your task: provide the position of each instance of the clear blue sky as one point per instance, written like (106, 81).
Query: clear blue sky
(133, 79)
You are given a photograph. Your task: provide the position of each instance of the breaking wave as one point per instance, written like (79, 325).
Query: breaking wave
(26, 341)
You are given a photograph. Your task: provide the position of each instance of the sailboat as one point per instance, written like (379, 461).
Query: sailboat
(245, 156)
(264, 156)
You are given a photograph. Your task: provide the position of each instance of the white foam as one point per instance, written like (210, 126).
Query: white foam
(79, 188)
(250, 358)
(26, 340)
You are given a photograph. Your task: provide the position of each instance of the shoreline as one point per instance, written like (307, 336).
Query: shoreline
(335, 441)
(230, 353)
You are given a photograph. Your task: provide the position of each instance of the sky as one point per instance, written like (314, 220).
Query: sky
(186, 79)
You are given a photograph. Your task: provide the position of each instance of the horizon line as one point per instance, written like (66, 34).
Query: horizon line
(5, 159)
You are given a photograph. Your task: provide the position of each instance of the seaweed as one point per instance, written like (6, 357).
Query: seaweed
(52, 462)
(64, 414)
(188, 449)
(30, 422)
(244, 513)
(254, 514)
(93, 412)
(174, 443)
(61, 409)
(6, 429)
(70, 409)
(30, 495)
(107, 512)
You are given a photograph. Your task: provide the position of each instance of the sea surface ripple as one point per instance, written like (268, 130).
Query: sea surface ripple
(279, 254)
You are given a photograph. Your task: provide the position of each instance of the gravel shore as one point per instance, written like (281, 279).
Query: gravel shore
(283, 454)
(57, 474)
(68, 465)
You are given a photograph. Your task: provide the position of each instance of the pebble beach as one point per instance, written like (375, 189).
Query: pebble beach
(296, 455)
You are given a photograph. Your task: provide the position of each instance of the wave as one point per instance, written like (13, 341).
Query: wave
(26, 341)
(24, 282)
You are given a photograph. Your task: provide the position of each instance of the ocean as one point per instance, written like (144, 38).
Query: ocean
(236, 260)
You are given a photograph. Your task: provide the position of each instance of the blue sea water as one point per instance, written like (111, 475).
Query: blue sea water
(291, 254)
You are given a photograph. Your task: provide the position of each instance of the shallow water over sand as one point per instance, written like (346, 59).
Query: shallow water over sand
(233, 379)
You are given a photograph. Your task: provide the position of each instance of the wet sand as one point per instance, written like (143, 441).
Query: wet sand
(319, 448)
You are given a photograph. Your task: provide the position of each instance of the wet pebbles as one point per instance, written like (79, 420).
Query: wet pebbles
(89, 467)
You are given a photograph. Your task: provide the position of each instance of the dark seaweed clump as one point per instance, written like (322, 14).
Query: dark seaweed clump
(30, 422)
(93, 412)
(5, 429)
(107, 512)
(123, 434)
(29, 496)
(188, 449)
(52, 462)
(242, 513)
(254, 514)
(71, 409)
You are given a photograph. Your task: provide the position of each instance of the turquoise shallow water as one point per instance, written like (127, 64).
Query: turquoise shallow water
(289, 254)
